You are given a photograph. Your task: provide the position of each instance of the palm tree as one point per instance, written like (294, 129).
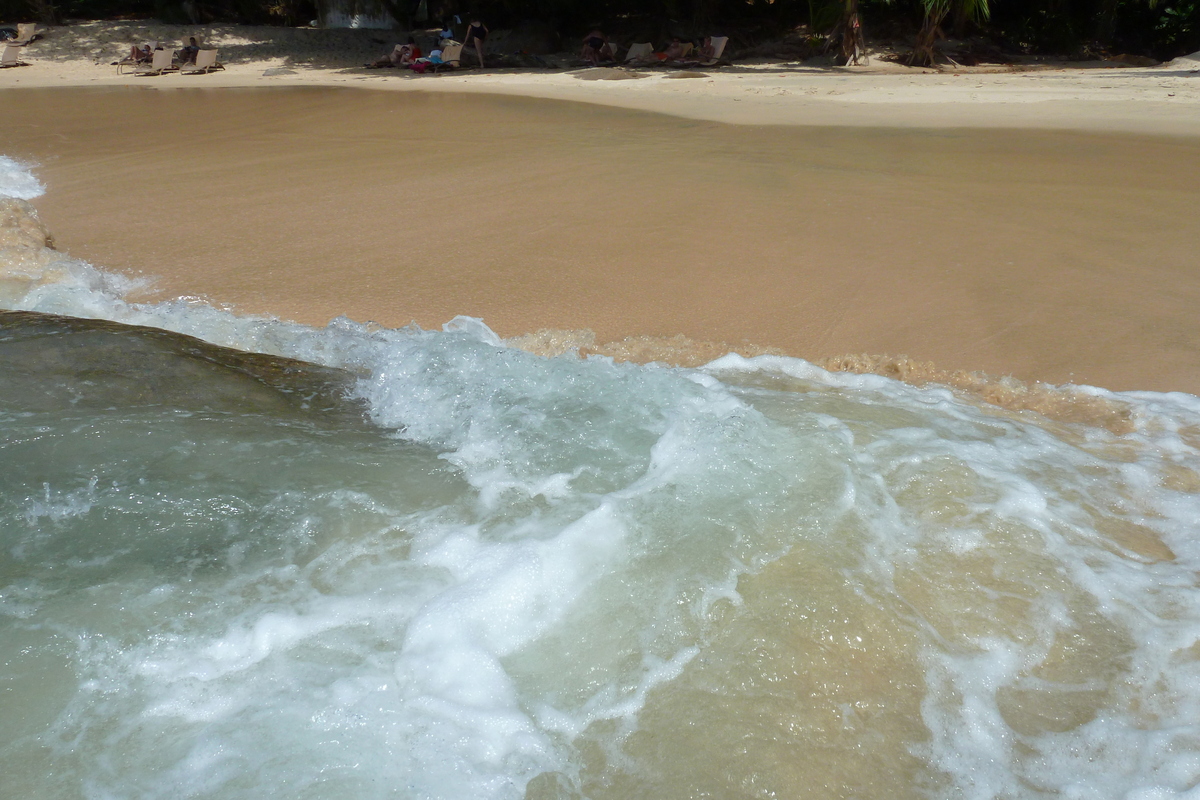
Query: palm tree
(849, 34)
(936, 12)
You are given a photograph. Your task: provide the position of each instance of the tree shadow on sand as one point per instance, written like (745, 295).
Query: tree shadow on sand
(340, 48)
(282, 49)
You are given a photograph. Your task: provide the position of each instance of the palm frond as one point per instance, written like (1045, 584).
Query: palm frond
(976, 10)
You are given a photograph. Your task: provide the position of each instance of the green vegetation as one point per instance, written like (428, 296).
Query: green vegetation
(1077, 28)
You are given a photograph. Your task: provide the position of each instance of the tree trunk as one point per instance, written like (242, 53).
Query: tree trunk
(1106, 23)
(849, 35)
(46, 13)
(931, 30)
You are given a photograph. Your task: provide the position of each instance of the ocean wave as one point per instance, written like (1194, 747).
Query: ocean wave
(569, 575)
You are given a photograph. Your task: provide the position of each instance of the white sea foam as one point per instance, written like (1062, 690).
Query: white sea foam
(553, 570)
(17, 180)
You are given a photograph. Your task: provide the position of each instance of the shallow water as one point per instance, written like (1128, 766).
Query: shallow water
(364, 562)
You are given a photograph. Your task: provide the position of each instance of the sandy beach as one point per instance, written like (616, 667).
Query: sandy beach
(1036, 222)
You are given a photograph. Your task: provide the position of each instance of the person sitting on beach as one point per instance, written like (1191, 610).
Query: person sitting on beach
(401, 56)
(706, 52)
(140, 55)
(187, 55)
(595, 48)
(476, 35)
(421, 65)
(674, 51)
(406, 54)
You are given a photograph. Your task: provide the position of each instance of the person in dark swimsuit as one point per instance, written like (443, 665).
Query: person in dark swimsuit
(476, 35)
(595, 47)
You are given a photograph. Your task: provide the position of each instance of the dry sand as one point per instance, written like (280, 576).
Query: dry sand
(1039, 224)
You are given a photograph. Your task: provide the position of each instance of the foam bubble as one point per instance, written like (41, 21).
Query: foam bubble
(17, 180)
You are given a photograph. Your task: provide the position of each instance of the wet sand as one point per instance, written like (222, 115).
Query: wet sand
(1056, 256)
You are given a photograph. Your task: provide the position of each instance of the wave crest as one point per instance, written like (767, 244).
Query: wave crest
(1070, 404)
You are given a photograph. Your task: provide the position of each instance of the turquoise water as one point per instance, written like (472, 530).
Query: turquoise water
(241, 557)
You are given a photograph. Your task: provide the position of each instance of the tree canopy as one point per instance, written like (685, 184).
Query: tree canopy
(1158, 28)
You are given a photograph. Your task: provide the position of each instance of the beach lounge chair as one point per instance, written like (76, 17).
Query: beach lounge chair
(130, 63)
(718, 46)
(162, 61)
(685, 53)
(640, 51)
(26, 33)
(180, 54)
(206, 62)
(10, 57)
(451, 58)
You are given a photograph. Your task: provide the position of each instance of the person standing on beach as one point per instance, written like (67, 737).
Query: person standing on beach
(476, 35)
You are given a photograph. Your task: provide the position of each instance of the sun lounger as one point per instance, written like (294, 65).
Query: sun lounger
(686, 49)
(10, 57)
(180, 54)
(718, 46)
(206, 62)
(640, 51)
(162, 61)
(128, 62)
(451, 58)
(26, 33)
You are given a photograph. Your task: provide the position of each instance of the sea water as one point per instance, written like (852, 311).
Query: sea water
(244, 558)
